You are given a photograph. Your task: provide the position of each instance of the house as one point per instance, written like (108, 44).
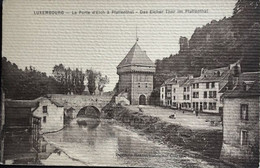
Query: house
(162, 95)
(202, 93)
(136, 76)
(171, 92)
(241, 120)
(177, 92)
(51, 114)
(18, 113)
(187, 94)
(21, 130)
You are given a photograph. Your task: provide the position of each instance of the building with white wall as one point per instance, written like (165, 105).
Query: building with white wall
(201, 93)
(51, 114)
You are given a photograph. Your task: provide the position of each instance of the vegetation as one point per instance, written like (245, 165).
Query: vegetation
(218, 44)
(31, 84)
(27, 84)
(72, 81)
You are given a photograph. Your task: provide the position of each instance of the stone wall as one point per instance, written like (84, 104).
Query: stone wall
(233, 151)
(142, 85)
(205, 142)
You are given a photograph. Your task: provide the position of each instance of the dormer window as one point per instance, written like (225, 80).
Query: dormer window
(247, 85)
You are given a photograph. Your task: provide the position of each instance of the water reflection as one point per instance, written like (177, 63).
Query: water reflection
(19, 149)
(99, 143)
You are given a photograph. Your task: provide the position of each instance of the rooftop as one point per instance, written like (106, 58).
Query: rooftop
(253, 88)
(136, 56)
(21, 103)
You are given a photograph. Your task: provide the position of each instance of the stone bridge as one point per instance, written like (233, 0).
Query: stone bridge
(77, 103)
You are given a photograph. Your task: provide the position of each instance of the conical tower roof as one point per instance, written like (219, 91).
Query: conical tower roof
(136, 57)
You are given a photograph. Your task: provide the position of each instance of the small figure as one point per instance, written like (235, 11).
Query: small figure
(183, 111)
(172, 116)
(197, 113)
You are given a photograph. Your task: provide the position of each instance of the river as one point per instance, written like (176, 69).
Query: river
(106, 143)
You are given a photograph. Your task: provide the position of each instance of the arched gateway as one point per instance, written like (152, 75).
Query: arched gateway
(142, 100)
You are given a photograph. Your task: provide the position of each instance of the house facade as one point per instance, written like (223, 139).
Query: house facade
(241, 121)
(136, 76)
(51, 114)
(162, 95)
(201, 93)
(187, 94)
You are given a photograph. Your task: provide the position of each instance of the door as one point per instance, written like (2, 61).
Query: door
(142, 100)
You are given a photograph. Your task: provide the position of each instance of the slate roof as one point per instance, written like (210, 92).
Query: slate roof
(175, 80)
(136, 56)
(21, 103)
(211, 75)
(251, 78)
(56, 103)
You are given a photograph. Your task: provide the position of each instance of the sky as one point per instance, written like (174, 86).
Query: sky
(100, 41)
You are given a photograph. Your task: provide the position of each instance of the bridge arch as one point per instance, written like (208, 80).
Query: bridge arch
(89, 111)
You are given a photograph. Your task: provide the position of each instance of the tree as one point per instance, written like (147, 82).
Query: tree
(72, 81)
(102, 81)
(27, 84)
(91, 76)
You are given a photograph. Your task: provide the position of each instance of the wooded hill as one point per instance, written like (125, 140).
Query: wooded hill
(217, 44)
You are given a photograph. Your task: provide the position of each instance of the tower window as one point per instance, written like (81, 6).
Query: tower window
(139, 85)
(146, 85)
(243, 137)
(44, 119)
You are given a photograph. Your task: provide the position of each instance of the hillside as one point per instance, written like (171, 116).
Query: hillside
(217, 44)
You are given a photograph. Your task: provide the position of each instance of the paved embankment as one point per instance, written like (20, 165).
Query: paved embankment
(202, 139)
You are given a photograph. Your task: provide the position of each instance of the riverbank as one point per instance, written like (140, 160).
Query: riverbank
(206, 142)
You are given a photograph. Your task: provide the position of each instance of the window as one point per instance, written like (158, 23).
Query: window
(212, 106)
(139, 85)
(214, 94)
(198, 85)
(188, 89)
(205, 105)
(243, 137)
(162, 96)
(188, 97)
(169, 87)
(210, 94)
(169, 94)
(174, 90)
(44, 148)
(184, 89)
(146, 85)
(44, 119)
(193, 105)
(193, 86)
(184, 97)
(169, 102)
(162, 89)
(205, 94)
(213, 85)
(44, 109)
(195, 94)
(173, 97)
(244, 111)
(207, 85)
